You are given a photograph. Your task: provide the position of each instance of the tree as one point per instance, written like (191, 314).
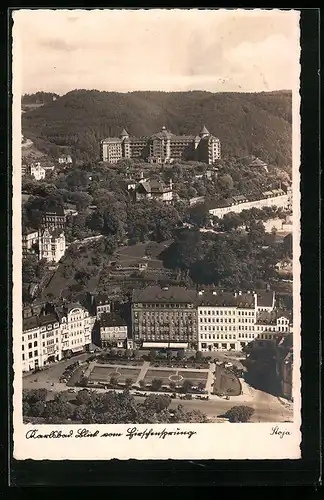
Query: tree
(142, 384)
(187, 386)
(152, 355)
(56, 410)
(239, 414)
(196, 416)
(157, 402)
(156, 384)
(199, 356)
(180, 354)
(199, 215)
(62, 397)
(128, 383)
(37, 409)
(225, 182)
(81, 199)
(35, 395)
(114, 381)
(26, 408)
(84, 397)
(173, 386)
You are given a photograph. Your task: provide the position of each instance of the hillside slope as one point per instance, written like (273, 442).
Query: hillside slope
(258, 124)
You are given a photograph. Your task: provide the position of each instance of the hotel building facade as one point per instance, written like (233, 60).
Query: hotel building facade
(206, 321)
(163, 147)
(164, 317)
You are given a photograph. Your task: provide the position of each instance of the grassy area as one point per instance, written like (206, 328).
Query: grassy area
(140, 253)
(226, 382)
(128, 256)
(104, 373)
(179, 377)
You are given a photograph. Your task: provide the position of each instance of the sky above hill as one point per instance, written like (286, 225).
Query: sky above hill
(169, 50)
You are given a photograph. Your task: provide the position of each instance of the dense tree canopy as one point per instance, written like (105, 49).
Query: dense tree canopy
(252, 124)
(90, 407)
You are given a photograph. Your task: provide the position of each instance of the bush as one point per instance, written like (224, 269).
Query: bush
(239, 414)
(156, 384)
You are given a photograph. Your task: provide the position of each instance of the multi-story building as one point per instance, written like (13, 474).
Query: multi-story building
(154, 190)
(164, 317)
(37, 171)
(54, 219)
(101, 304)
(233, 320)
(76, 328)
(29, 242)
(50, 334)
(51, 244)
(163, 147)
(113, 330)
(41, 341)
(275, 198)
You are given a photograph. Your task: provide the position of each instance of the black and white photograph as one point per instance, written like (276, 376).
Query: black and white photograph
(156, 158)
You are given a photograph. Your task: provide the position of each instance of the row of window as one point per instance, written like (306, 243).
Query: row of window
(218, 336)
(218, 328)
(164, 306)
(225, 312)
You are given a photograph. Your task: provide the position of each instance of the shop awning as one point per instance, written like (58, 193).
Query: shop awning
(164, 345)
(77, 349)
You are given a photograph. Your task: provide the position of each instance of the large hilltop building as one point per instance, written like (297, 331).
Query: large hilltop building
(163, 147)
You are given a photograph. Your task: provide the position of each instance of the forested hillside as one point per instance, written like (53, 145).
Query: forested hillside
(247, 124)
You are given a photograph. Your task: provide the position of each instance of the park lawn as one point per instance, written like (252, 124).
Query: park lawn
(226, 382)
(104, 373)
(177, 376)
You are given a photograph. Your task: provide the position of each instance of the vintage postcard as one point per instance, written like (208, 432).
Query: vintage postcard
(156, 234)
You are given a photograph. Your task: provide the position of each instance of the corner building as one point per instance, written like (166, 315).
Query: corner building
(232, 320)
(164, 318)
